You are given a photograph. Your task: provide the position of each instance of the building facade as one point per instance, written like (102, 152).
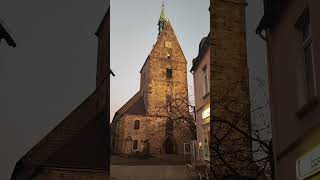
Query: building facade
(146, 123)
(201, 78)
(292, 33)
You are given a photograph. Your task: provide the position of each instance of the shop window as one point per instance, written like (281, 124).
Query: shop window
(206, 142)
(136, 124)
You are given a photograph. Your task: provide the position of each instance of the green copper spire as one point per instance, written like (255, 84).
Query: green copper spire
(162, 19)
(162, 15)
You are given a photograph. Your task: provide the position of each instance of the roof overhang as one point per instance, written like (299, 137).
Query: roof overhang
(272, 10)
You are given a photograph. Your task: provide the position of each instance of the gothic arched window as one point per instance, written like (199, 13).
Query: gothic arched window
(136, 124)
(169, 125)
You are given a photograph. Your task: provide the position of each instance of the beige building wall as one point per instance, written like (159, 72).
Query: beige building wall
(202, 103)
(295, 120)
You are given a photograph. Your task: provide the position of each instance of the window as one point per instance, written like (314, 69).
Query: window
(136, 124)
(135, 144)
(168, 44)
(169, 73)
(308, 62)
(169, 125)
(205, 80)
(206, 141)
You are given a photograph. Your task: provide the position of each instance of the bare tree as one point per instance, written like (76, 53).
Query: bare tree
(179, 112)
(238, 145)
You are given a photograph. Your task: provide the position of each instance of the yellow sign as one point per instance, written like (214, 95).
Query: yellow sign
(206, 113)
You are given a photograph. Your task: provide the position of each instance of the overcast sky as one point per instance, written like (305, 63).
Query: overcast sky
(52, 69)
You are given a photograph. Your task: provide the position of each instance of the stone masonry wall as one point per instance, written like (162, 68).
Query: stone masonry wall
(157, 85)
(229, 80)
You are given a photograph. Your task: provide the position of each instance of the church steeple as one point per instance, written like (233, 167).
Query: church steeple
(162, 19)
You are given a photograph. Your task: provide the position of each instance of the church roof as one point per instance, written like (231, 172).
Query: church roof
(79, 141)
(134, 106)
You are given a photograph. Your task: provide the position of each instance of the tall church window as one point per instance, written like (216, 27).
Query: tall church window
(135, 144)
(169, 125)
(205, 80)
(136, 124)
(169, 73)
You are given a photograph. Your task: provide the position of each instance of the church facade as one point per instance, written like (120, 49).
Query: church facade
(145, 124)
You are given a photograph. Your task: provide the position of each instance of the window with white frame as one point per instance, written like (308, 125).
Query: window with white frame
(205, 80)
(304, 27)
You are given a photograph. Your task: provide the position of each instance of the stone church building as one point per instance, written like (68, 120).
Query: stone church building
(144, 125)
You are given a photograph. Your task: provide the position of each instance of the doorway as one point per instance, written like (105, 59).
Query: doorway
(169, 146)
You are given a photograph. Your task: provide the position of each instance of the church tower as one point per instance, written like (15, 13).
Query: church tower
(163, 80)
(164, 74)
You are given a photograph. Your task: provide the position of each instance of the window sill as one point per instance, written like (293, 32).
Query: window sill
(308, 107)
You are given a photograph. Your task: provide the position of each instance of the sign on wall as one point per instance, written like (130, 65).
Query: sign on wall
(309, 164)
(187, 148)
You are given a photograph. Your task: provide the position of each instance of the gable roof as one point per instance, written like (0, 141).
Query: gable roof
(134, 106)
(69, 143)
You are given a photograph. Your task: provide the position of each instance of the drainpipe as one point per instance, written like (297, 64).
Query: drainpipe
(273, 163)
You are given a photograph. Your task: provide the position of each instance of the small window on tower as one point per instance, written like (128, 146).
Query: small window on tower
(169, 73)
